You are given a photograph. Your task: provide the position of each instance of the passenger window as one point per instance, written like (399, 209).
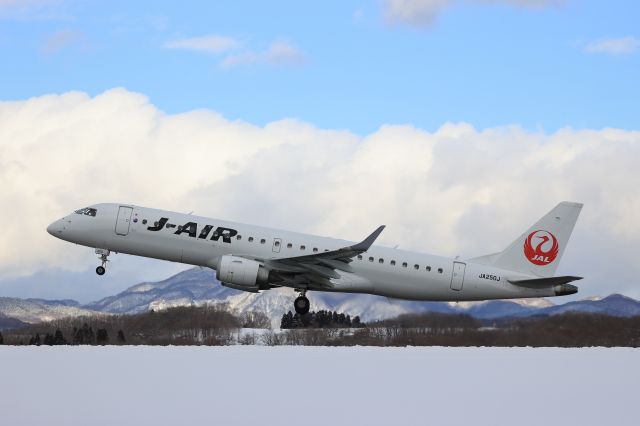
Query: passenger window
(262, 241)
(416, 267)
(277, 244)
(238, 237)
(428, 268)
(144, 221)
(393, 262)
(359, 257)
(250, 239)
(302, 247)
(326, 249)
(439, 270)
(404, 264)
(315, 249)
(381, 260)
(289, 245)
(370, 259)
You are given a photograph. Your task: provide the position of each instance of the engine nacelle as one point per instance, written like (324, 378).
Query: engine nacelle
(241, 274)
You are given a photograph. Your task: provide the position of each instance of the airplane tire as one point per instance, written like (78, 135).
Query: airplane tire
(301, 304)
(100, 270)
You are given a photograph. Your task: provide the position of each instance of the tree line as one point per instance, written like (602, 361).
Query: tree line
(320, 319)
(210, 325)
(215, 325)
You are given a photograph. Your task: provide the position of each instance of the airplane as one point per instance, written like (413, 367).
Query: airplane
(254, 258)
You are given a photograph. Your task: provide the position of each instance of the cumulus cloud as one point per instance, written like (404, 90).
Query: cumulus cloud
(208, 43)
(278, 53)
(456, 190)
(614, 46)
(422, 13)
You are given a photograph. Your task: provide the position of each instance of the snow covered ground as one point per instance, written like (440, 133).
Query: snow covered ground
(257, 385)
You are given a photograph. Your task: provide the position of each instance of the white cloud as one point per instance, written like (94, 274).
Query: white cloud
(209, 43)
(454, 191)
(32, 9)
(278, 53)
(422, 13)
(58, 40)
(614, 46)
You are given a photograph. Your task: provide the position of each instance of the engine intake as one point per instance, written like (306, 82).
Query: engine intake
(241, 274)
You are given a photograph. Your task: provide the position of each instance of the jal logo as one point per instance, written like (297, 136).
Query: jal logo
(541, 247)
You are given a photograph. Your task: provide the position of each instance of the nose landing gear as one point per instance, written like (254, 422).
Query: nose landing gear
(104, 254)
(301, 304)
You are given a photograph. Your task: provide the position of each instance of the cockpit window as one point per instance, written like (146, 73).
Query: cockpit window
(87, 211)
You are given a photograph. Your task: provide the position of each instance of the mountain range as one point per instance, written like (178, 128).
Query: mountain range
(198, 286)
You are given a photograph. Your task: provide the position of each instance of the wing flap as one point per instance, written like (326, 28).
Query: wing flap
(321, 267)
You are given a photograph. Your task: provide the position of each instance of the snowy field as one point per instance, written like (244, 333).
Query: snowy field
(254, 385)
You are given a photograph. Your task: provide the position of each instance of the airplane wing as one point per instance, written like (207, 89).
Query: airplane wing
(319, 268)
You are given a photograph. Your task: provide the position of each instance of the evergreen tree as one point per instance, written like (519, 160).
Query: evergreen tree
(59, 338)
(356, 321)
(296, 322)
(287, 321)
(49, 340)
(102, 337)
(341, 319)
(1, 339)
(77, 336)
(121, 338)
(35, 340)
(84, 335)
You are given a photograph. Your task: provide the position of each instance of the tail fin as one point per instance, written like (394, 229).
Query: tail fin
(539, 249)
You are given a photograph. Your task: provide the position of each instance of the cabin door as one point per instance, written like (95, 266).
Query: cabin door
(124, 220)
(457, 278)
(277, 242)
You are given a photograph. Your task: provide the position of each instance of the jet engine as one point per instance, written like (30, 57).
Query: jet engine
(242, 274)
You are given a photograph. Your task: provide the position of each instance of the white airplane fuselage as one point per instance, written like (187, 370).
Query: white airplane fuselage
(201, 241)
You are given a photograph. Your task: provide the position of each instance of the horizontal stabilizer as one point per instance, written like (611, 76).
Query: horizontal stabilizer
(544, 282)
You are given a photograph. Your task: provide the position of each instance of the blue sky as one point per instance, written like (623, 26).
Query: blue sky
(487, 65)
(507, 73)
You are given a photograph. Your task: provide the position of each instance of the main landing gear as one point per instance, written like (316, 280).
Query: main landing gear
(104, 254)
(301, 304)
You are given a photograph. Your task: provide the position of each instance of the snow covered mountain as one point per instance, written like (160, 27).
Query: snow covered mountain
(37, 310)
(198, 286)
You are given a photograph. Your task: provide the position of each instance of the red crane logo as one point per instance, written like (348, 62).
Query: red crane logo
(544, 240)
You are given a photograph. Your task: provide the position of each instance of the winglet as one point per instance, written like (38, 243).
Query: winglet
(367, 242)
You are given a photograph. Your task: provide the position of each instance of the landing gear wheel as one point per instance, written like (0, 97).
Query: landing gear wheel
(104, 255)
(301, 304)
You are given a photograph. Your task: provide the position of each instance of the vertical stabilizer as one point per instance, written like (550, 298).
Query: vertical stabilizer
(539, 249)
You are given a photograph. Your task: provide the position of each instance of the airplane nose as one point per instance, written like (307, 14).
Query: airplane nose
(55, 228)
